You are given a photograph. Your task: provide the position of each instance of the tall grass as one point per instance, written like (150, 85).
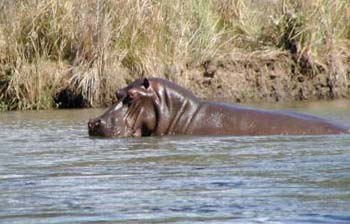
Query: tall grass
(95, 47)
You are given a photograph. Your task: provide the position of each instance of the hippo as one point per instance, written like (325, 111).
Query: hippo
(158, 107)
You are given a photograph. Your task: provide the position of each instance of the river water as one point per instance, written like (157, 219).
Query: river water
(51, 171)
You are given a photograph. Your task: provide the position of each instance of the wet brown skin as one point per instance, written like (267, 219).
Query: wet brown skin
(157, 107)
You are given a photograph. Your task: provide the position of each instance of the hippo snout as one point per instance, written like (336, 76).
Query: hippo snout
(94, 124)
(96, 127)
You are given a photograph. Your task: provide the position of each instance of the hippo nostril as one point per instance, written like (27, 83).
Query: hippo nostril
(94, 123)
(97, 123)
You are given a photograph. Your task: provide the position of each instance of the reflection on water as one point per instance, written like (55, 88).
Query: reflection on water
(52, 172)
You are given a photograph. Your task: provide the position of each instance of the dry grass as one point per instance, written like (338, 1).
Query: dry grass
(94, 47)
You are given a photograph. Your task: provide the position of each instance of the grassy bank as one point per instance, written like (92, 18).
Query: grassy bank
(95, 47)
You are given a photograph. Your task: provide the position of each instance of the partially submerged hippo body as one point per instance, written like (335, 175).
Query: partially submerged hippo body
(157, 107)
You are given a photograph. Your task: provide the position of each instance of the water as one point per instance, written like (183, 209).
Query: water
(52, 172)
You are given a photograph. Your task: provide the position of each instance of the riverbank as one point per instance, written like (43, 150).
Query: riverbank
(245, 50)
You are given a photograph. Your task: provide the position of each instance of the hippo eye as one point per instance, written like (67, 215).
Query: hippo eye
(127, 100)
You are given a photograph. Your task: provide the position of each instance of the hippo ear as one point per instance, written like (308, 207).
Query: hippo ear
(145, 83)
(141, 91)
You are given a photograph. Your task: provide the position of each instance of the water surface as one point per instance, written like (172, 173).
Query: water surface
(52, 172)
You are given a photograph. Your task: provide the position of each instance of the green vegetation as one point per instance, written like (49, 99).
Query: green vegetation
(95, 47)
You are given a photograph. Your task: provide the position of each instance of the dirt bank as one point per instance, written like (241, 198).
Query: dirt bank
(262, 76)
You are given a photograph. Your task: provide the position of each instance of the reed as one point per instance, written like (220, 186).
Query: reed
(95, 47)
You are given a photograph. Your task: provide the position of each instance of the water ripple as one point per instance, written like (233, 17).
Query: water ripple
(52, 172)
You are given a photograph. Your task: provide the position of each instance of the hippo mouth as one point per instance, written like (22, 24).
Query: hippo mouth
(115, 132)
(101, 128)
(96, 133)
(97, 127)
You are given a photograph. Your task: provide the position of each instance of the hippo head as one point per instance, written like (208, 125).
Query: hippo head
(146, 107)
(132, 115)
